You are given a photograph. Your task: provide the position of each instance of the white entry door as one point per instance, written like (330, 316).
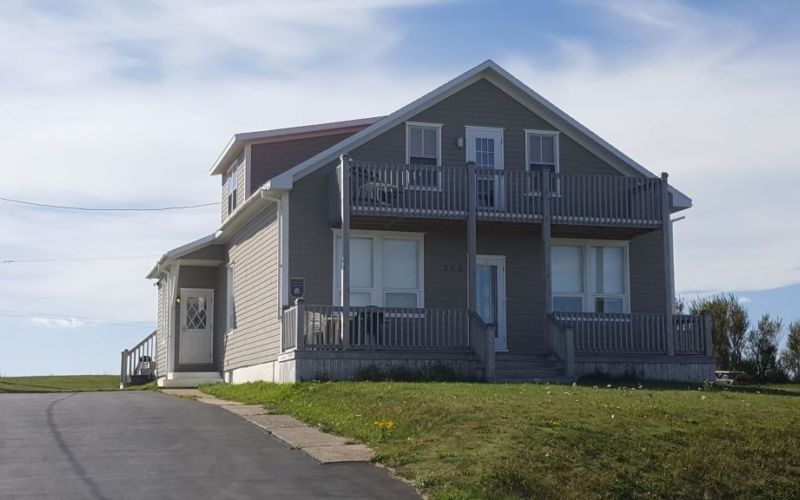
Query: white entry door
(197, 326)
(485, 148)
(491, 285)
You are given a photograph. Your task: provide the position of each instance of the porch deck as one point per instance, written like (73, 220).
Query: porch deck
(328, 329)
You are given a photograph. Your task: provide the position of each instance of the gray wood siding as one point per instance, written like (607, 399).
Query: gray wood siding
(310, 236)
(254, 254)
(270, 159)
(648, 287)
(483, 104)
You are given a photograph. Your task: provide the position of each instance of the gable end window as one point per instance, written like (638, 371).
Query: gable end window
(541, 150)
(233, 183)
(424, 149)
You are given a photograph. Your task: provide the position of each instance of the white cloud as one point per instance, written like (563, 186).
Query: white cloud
(65, 323)
(712, 103)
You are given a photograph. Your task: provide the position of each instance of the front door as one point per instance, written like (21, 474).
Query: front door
(491, 285)
(197, 326)
(485, 148)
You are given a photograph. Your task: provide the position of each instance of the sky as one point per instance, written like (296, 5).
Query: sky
(127, 104)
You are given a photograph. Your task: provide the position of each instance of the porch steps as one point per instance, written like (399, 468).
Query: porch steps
(529, 367)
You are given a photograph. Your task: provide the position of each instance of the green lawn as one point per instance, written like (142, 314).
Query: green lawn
(60, 383)
(457, 440)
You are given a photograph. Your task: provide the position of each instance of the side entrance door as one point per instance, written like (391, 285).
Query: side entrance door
(485, 148)
(196, 326)
(491, 285)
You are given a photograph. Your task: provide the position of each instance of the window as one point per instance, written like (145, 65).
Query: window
(423, 149)
(541, 150)
(230, 311)
(233, 185)
(590, 277)
(385, 269)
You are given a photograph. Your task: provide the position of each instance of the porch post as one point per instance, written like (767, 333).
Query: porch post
(472, 238)
(122, 371)
(666, 229)
(705, 316)
(546, 236)
(344, 183)
(300, 325)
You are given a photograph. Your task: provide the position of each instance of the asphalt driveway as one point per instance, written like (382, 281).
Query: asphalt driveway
(150, 445)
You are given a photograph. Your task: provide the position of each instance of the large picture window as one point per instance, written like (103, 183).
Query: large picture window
(386, 269)
(590, 277)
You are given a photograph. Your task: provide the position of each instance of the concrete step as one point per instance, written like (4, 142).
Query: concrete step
(533, 356)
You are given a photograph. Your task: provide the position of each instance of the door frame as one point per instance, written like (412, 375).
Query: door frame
(209, 322)
(501, 340)
(472, 131)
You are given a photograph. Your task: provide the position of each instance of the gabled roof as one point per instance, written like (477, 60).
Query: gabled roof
(237, 142)
(492, 72)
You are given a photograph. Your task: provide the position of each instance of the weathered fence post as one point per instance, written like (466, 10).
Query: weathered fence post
(707, 327)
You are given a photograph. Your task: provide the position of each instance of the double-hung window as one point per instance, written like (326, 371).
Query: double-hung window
(385, 269)
(541, 150)
(233, 183)
(424, 154)
(590, 277)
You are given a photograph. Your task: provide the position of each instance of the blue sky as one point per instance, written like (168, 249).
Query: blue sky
(128, 104)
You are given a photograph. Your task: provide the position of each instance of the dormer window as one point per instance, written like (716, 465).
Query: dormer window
(233, 183)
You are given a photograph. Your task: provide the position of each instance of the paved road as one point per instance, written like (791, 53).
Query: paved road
(153, 446)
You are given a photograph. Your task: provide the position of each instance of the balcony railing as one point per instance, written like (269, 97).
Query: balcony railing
(422, 191)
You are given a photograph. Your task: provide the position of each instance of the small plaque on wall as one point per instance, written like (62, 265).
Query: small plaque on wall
(297, 288)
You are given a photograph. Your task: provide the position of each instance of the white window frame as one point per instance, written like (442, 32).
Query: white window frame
(230, 321)
(588, 295)
(233, 193)
(378, 291)
(438, 127)
(555, 134)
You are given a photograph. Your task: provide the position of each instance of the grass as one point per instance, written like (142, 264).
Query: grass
(458, 441)
(62, 383)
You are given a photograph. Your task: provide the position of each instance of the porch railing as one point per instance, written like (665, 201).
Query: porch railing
(562, 343)
(138, 364)
(637, 333)
(320, 327)
(481, 339)
(429, 191)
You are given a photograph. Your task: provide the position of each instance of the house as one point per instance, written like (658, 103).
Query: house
(479, 227)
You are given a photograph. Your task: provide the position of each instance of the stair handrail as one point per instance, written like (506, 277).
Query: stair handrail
(562, 343)
(481, 339)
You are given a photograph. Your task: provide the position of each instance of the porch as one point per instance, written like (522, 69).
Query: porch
(579, 342)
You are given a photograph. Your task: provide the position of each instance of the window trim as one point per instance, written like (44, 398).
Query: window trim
(233, 194)
(555, 134)
(438, 127)
(378, 289)
(230, 321)
(589, 296)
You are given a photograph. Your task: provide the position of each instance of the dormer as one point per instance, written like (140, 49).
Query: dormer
(251, 159)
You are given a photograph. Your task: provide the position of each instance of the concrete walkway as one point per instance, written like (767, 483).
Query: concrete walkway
(326, 448)
(150, 445)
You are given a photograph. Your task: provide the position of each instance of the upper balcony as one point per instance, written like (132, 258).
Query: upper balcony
(444, 192)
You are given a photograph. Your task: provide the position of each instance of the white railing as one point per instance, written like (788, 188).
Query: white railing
(139, 363)
(516, 195)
